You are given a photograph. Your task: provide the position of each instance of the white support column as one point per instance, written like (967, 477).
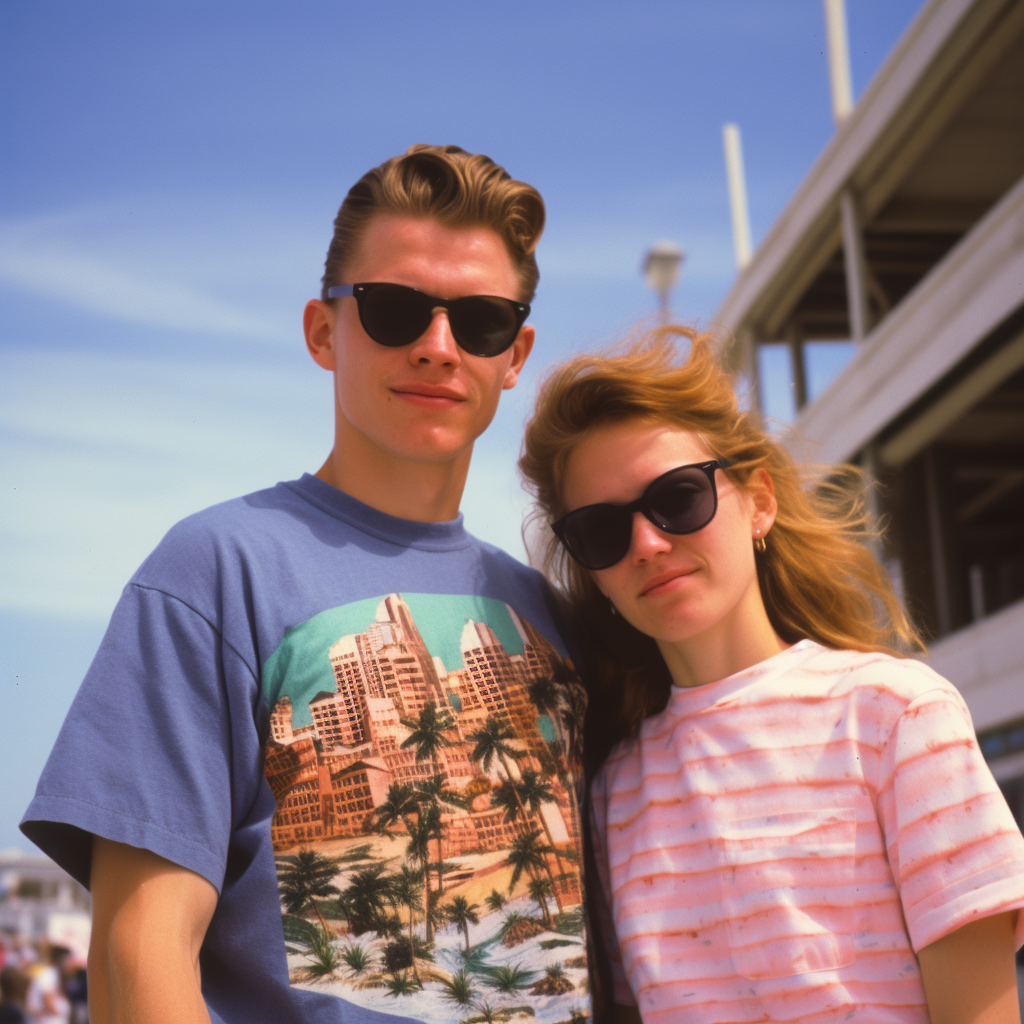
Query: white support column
(856, 267)
(838, 60)
(737, 194)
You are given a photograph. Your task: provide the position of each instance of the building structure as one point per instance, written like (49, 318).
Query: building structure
(907, 238)
(39, 900)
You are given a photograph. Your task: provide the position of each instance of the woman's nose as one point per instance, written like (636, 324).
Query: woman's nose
(647, 540)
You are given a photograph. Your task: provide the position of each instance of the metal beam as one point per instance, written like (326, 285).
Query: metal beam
(856, 267)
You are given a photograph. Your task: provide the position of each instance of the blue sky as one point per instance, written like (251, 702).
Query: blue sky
(170, 176)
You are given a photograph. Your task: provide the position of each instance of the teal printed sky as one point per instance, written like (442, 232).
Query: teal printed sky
(300, 667)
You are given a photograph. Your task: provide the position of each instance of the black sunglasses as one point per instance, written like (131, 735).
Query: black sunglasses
(395, 315)
(683, 500)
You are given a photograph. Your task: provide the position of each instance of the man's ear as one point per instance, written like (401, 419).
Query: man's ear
(762, 492)
(318, 325)
(521, 348)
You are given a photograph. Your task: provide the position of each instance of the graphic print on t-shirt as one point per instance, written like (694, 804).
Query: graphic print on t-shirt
(424, 753)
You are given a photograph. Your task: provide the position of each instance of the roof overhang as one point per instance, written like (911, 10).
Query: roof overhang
(943, 56)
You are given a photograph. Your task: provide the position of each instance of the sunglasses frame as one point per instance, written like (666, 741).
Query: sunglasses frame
(360, 290)
(642, 504)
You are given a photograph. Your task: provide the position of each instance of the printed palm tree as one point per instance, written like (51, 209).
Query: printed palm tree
(438, 794)
(534, 792)
(427, 735)
(418, 849)
(509, 978)
(527, 854)
(306, 878)
(462, 913)
(561, 696)
(485, 1013)
(495, 901)
(492, 741)
(406, 889)
(404, 804)
(572, 712)
(366, 900)
(459, 988)
(540, 889)
(323, 957)
(531, 791)
(553, 694)
(508, 799)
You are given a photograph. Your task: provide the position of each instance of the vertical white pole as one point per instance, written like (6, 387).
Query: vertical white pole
(737, 194)
(838, 59)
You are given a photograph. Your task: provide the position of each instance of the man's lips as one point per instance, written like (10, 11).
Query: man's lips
(663, 581)
(430, 395)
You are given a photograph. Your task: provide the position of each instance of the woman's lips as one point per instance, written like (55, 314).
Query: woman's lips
(665, 582)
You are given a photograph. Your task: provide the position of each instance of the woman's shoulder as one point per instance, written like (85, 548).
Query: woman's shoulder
(903, 678)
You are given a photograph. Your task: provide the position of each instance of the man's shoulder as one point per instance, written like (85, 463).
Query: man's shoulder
(205, 541)
(510, 571)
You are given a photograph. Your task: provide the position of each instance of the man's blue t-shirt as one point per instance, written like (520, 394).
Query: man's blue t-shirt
(364, 732)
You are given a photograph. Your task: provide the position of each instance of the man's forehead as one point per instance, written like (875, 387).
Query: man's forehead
(424, 253)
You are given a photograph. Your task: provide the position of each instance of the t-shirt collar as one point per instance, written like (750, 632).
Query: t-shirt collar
(692, 698)
(446, 536)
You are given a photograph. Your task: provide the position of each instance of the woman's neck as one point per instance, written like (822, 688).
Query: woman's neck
(742, 638)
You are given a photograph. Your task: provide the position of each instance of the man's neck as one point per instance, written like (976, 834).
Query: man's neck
(425, 492)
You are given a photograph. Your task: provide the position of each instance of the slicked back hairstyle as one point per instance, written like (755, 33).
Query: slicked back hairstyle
(818, 575)
(448, 184)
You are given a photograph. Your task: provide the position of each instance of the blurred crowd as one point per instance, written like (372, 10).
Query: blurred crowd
(41, 984)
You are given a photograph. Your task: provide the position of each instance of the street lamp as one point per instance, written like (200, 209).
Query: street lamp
(661, 270)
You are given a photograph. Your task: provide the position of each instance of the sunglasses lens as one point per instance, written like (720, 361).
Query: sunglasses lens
(483, 325)
(598, 536)
(682, 501)
(394, 315)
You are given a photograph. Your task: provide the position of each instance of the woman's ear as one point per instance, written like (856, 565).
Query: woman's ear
(762, 493)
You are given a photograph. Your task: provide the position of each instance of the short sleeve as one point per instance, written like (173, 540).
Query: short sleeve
(144, 755)
(955, 851)
(604, 917)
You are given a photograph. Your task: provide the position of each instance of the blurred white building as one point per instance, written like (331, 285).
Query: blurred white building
(905, 246)
(39, 900)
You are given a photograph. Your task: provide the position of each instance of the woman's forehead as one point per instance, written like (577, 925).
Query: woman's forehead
(616, 461)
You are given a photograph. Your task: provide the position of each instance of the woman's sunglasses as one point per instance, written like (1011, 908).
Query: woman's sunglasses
(683, 500)
(394, 315)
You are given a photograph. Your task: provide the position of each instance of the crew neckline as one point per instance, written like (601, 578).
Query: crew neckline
(449, 535)
(692, 698)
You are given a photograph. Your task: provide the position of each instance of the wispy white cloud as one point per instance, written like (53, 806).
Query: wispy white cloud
(184, 267)
(104, 453)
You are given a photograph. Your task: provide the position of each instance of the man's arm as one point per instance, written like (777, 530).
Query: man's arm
(149, 918)
(969, 975)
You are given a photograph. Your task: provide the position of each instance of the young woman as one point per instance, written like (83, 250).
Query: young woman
(793, 809)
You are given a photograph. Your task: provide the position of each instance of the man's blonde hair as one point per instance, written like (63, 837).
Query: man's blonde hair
(448, 184)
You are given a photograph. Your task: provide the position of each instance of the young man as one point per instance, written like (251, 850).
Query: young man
(329, 735)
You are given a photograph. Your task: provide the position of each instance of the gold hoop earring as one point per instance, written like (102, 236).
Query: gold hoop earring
(759, 545)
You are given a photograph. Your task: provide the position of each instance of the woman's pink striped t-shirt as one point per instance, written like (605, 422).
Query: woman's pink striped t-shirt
(777, 844)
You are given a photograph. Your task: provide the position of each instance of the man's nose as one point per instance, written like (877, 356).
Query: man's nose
(647, 540)
(437, 343)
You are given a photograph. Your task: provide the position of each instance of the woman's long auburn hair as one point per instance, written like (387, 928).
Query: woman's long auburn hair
(818, 576)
